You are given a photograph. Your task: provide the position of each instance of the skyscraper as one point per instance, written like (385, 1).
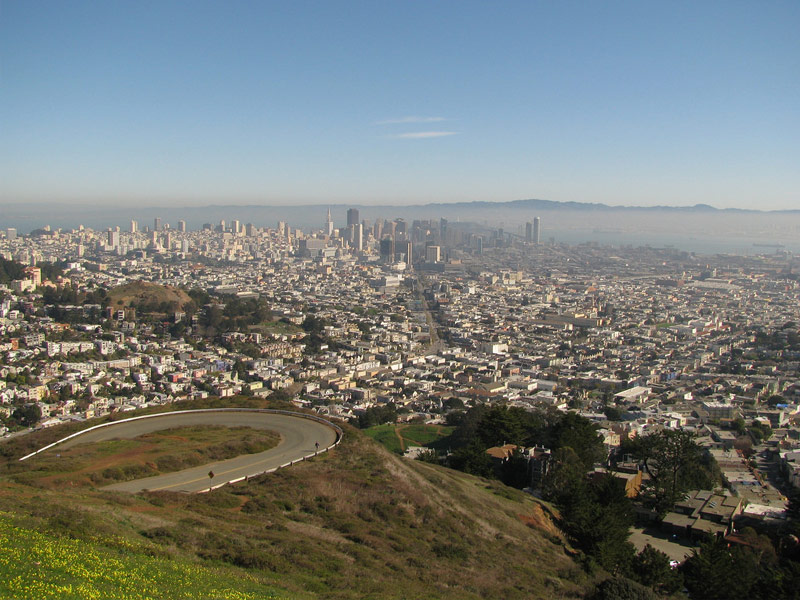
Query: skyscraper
(408, 250)
(182, 226)
(536, 230)
(329, 224)
(352, 216)
(528, 231)
(358, 240)
(134, 226)
(157, 224)
(387, 249)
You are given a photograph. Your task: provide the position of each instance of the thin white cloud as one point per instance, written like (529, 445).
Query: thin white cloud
(406, 120)
(418, 135)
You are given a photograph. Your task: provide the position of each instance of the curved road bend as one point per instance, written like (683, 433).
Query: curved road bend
(298, 436)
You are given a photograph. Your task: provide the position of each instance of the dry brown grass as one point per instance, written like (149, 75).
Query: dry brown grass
(357, 522)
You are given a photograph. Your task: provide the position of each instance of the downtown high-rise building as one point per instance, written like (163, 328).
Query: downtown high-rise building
(352, 216)
(329, 224)
(387, 249)
(357, 236)
(537, 230)
(157, 224)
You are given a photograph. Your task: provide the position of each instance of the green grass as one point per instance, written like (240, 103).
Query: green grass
(396, 438)
(43, 566)
(385, 435)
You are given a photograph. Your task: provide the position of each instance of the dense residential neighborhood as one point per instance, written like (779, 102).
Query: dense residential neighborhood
(428, 318)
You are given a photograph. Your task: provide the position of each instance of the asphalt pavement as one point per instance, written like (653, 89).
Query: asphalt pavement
(299, 437)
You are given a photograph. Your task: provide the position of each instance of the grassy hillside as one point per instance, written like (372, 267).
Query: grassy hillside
(148, 295)
(357, 522)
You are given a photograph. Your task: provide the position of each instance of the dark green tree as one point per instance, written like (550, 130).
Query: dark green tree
(651, 568)
(377, 415)
(621, 588)
(597, 515)
(27, 415)
(716, 572)
(502, 425)
(565, 476)
(675, 464)
(580, 434)
(472, 459)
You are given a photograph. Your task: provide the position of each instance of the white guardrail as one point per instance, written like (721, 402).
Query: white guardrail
(336, 428)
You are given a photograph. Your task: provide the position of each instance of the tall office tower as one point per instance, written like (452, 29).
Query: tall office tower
(250, 230)
(157, 224)
(221, 226)
(236, 227)
(480, 245)
(408, 250)
(528, 231)
(11, 233)
(281, 228)
(433, 254)
(377, 230)
(154, 239)
(329, 224)
(387, 249)
(113, 238)
(400, 229)
(358, 237)
(168, 241)
(182, 226)
(184, 246)
(537, 229)
(134, 226)
(352, 216)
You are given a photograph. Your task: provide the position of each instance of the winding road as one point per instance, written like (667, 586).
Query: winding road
(299, 437)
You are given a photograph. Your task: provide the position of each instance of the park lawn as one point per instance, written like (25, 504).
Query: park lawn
(386, 436)
(397, 438)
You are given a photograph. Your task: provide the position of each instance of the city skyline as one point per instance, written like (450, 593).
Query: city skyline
(626, 104)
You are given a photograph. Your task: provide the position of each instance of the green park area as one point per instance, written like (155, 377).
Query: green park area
(397, 438)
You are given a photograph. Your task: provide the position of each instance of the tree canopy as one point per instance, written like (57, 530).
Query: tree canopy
(675, 464)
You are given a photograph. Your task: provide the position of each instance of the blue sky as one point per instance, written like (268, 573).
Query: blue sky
(626, 103)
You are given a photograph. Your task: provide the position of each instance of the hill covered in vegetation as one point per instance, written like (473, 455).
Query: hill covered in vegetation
(148, 297)
(358, 522)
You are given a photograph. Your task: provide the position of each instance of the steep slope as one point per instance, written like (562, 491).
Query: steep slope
(356, 523)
